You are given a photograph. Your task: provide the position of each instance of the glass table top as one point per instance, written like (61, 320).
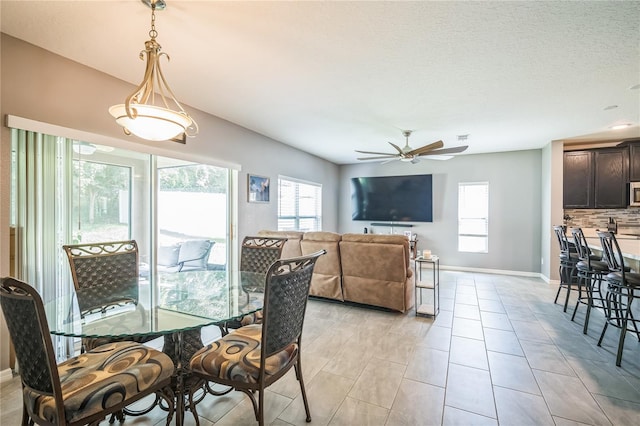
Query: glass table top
(185, 301)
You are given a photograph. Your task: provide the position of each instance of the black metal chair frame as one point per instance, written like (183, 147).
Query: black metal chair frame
(620, 293)
(285, 302)
(105, 273)
(257, 254)
(24, 313)
(568, 261)
(590, 269)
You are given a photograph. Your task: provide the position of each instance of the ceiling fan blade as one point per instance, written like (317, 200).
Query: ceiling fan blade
(373, 152)
(430, 147)
(391, 156)
(389, 160)
(437, 157)
(397, 148)
(453, 150)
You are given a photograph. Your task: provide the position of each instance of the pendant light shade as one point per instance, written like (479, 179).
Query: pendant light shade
(152, 111)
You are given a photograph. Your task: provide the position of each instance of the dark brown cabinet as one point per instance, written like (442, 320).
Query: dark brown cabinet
(634, 162)
(596, 178)
(578, 180)
(611, 176)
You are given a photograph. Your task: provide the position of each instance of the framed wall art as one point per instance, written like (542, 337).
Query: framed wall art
(257, 189)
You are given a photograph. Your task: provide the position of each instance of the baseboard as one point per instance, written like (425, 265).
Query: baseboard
(495, 271)
(6, 375)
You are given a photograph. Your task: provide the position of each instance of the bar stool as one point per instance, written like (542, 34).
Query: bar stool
(568, 261)
(624, 287)
(590, 269)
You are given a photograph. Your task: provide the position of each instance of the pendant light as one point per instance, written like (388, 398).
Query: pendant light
(146, 112)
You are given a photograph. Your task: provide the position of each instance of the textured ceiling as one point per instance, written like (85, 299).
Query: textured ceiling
(331, 77)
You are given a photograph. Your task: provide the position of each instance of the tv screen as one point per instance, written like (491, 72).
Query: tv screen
(392, 198)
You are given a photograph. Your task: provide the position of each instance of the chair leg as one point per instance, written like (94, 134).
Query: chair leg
(633, 322)
(557, 293)
(298, 369)
(581, 282)
(26, 420)
(566, 300)
(623, 332)
(559, 286)
(588, 314)
(261, 407)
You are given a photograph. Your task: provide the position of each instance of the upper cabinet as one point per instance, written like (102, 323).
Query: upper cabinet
(634, 162)
(578, 180)
(611, 175)
(596, 178)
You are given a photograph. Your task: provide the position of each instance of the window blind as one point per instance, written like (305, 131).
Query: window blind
(299, 205)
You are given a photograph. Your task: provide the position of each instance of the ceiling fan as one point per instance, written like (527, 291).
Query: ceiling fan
(407, 154)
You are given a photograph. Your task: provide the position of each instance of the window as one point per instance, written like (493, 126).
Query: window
(101, 209)
(473, 217)
(192, 205)
(299, 205)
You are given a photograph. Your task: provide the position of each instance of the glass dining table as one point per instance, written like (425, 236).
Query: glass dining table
(184, 303)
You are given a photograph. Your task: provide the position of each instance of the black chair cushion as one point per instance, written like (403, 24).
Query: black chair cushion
(596, 266)
(572, 257)
(632, 278)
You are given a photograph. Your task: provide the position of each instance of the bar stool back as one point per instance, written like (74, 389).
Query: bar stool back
(590, 269)
(568, 261)
(624, 287)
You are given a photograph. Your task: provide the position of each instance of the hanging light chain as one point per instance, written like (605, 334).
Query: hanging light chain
(153, 33)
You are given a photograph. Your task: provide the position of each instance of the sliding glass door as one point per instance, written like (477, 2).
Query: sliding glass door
(192, 207)
(70, 192)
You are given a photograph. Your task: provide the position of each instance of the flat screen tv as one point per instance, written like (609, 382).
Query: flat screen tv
(392, 198)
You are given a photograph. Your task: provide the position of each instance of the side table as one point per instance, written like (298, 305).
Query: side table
(430, 283)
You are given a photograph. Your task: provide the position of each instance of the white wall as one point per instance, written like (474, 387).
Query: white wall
(514, 207)
(551, 207)
(42, 86)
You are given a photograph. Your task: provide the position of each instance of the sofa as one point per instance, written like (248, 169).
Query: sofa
(291, 247)
(369, 269)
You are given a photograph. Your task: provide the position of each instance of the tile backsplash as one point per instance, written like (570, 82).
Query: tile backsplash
(598, 218)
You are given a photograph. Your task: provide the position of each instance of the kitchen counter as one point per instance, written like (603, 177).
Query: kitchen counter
(629, 246)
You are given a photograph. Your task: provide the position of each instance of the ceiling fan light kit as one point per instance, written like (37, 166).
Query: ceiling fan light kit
(146, 112)
(407, 154)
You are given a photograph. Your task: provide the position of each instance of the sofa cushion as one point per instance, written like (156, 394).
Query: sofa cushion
(194, 254)
(381, 239)
(291, 247)
(168, 255)
(321, 236)
(327, 274)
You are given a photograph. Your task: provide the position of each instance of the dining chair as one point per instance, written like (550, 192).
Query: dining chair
(623, 288)
(84, 389)
(105, 275)
(255, 356)
(257, 254)
(105, 272)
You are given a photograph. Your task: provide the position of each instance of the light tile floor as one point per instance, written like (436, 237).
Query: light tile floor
(499, 352)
